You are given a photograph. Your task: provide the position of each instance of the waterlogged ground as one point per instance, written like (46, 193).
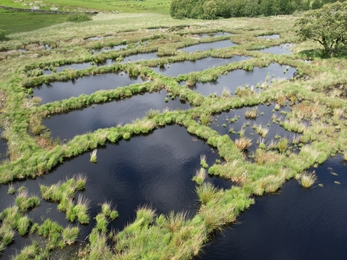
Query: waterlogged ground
(192, 102)
(235, 122)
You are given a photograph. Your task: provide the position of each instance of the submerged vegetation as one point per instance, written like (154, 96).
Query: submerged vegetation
(315, 98)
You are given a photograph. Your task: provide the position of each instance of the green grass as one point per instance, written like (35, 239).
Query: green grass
(15, 22)
(130, 6)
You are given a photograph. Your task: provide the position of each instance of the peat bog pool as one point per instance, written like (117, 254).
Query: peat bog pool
(272, 36)
(208, 46)
(239, 78)
(186, 67)
(85, 85)
(113, 48)
(85, 65)
(3, 148)
(143, 56)
(214, 35)
(281, 49)
(221, 123)
(109, 114)
(129, 176)
(297, 223)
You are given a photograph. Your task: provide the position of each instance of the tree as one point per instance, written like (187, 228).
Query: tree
(326, 26)
(210, 9)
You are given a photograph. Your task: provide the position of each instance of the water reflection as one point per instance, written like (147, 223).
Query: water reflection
(66, 126)
(186, 67)
(239, 78)
(86, 85)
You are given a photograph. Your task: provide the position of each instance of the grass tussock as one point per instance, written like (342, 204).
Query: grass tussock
(251, 113)
(200, 176)
(243, 143)
(307, 179)
(93, 157)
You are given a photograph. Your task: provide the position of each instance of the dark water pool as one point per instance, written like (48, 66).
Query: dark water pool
(86, 85)
(214, 35)
(98, 38)
(265, 114)
(66, 126)
(239, 78)
(209, 45)
(85, 65)
(3, 148)
(114, 48)
(297, 223)
(186, 67)
(145, 56)
(75, 66)
(281, 49)
(153, 170)
(272, 36)
(142, 56)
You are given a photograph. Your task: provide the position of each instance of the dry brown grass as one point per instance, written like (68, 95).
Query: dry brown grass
(243, 143)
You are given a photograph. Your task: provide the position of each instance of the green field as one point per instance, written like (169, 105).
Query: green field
(14, 22)
(129, 6)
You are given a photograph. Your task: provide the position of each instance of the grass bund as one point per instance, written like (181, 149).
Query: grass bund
(311, 106)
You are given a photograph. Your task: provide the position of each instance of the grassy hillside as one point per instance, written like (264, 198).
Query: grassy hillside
(129, 6)
(14, 22)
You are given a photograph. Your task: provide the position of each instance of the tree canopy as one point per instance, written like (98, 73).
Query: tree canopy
(326, 26)
(213, 9)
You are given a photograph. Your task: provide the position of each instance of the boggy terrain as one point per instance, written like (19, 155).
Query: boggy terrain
(140, 179)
